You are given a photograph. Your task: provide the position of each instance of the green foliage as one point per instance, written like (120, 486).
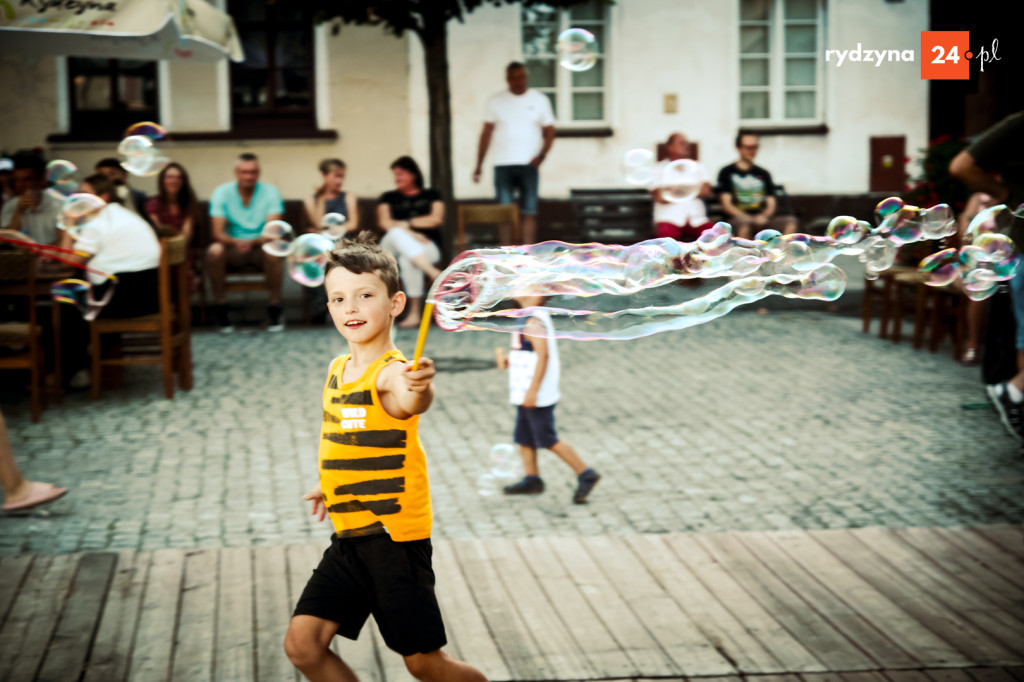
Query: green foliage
(935, 185)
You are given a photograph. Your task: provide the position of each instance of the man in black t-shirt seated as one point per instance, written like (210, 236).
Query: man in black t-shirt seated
(747, 193)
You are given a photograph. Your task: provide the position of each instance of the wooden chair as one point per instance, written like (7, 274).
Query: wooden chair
(172, 327)
(884, 295)
(486, 214)
(18, 278)
(936, 311)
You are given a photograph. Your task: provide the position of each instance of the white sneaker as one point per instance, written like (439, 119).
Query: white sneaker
(81, 379)
(226, 329)
(278, 327)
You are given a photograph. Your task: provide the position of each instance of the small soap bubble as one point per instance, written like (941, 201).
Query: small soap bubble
(78, 210)
(139, 156)
(577, 49)
(941, 268)
(846, 229)
(148, 129)
(59, 176)
(307, 259)
(887, 207)
(680, 180)
(332, 225)
(825, 283)
(638, 166)
(281, 234)
(487, 485)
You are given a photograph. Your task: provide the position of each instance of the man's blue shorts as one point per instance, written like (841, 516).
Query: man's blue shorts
(523, 178)
(535, 427)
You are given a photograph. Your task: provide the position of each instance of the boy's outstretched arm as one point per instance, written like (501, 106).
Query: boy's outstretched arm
(404, 391)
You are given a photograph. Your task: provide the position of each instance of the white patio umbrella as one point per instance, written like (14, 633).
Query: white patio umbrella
(119, 29)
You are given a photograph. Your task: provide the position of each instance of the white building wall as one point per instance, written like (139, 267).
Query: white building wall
(690, 48)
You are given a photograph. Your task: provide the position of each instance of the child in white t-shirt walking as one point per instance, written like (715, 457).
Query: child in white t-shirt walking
(534, 372)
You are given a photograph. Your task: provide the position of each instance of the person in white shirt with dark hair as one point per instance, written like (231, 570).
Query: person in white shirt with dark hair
(520, 126)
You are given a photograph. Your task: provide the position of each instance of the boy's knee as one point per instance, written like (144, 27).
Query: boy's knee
(302, 649)
(421, 666)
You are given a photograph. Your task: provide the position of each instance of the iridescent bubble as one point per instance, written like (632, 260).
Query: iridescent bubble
(680, 180)
(149, 129)
(942, 267)
(333, 225)
(638, 166)
(879, 255)
(139, 156)
(59, 175)
(487, 485)
(307, 259)
(887, 207)
(577, 49)
(281, 235)
(78, 210)
(847, 230)
(81, 294)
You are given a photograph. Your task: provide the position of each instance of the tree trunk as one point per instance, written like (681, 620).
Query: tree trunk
(434, 37)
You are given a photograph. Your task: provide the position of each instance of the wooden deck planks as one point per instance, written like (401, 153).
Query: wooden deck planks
(863, 597)
(272, 613)
(65, 656)
(1009, 538)
(793, 655)
(860, 630)
(615, 613)
(726, 635)
(158, 619)
(795, 614)
(908, 595)
(193, 653)
(686, 646)
(464, 622)
(33, 616)
(112, 648)
(781, 606)
(234, 647)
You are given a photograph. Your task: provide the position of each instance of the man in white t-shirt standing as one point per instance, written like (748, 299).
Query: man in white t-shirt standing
(522, 126)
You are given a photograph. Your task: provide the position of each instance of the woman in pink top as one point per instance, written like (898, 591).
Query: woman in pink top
(173, 210)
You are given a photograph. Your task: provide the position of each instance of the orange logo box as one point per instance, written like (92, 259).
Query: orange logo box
(945, 55)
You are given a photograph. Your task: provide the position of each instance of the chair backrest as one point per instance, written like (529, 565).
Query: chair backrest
(174, 285)
(485, 214)
(18, 277)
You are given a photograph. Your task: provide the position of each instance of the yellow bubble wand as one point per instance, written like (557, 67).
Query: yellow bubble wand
(421, 340)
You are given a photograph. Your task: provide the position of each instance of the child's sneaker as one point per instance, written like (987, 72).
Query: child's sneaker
(530, 485)
(1009, 411)
(586, 482)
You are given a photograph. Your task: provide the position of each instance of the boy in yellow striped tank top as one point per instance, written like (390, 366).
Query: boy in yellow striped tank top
(374, 487)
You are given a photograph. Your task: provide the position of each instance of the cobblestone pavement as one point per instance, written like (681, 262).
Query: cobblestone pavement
(787, 420)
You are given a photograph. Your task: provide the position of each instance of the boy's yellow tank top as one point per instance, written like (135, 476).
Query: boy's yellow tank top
(373, 471)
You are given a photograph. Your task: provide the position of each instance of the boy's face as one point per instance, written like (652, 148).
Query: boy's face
(360, 305)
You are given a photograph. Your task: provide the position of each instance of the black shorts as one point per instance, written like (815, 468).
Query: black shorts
(375, 575)
(535, 426)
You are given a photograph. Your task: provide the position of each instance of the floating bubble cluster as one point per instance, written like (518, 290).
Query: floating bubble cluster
(472, 293)
(138, 151)
(281, 235)
(59, 176)
(638, 166)
(986, 258)
(504, 468)
(577, 49)
(332, 226)
(81, 294)
(79, 209)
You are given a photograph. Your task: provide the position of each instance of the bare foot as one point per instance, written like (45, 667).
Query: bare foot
(34, 495)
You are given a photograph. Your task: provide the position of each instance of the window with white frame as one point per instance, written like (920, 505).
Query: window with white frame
(780, 64)
(577, 97)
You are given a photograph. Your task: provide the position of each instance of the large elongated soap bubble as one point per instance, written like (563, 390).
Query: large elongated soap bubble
(604, 291)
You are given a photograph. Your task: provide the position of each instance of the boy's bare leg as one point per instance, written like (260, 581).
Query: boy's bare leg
(308, 646)
(438, 666)
(569, 456)
(529, 460)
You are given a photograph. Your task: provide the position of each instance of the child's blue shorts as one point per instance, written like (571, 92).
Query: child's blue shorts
(535, 426)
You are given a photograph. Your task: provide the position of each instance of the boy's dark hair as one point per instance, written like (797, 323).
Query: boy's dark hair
(408, 164)
(248, 156)
(31, 162)
(361, 254)
(101, 184)
(109, 162)
(512, 66)
(741, 134)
